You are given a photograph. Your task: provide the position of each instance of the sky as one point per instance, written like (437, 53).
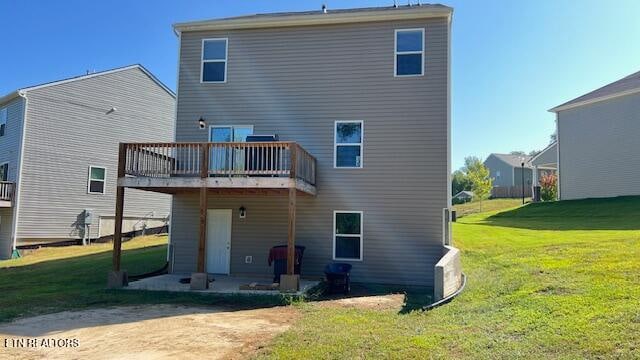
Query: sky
(511, 60)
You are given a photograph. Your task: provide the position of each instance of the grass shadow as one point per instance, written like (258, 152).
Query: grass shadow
(620, 213)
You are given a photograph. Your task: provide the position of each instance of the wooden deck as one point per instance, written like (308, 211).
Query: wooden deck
(7, 191)
(227, 168)
(178, 167)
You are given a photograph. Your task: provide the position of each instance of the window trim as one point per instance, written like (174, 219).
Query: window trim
(361, 236)
(211, 127)
(225, 61)
(3, 164)
(336, 144)
(4, 121)
(104, 181)
(396, 53)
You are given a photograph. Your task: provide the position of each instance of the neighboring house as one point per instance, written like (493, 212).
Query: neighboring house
(544, 163)
(598, 142)
(463, 196)
(57, 155)
(360, 101)
(506, 171)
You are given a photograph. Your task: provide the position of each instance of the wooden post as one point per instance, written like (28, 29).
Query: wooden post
(291, 240)
(202, 239)
(117, 235)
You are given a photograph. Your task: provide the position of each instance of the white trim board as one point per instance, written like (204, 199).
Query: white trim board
(333, 250)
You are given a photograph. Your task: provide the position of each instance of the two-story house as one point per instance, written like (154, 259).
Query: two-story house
(359, 103)
(58, 156)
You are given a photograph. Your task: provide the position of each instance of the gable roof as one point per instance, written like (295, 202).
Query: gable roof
(514, 160)
(625, 86)
(464, 192)
(551, 147)
(18, 92)
(317, 17)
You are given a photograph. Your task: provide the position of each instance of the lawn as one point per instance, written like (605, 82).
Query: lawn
(487, 206)
(55, 279)
(553, 280)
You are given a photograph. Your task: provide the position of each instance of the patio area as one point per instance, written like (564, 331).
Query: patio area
(222, 284)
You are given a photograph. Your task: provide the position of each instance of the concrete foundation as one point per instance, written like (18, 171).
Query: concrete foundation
(199, 281)
(289, 283)
(117, 279)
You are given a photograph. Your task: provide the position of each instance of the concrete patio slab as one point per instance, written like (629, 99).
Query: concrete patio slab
(222, 284)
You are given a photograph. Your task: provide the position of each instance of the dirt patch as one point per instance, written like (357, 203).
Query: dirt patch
(145, 332)
(378, 302)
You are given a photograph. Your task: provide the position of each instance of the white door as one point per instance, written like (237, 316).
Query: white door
(219, 241)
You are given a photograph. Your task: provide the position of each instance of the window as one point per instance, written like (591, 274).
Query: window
(498, 174)
(409, 52)
(97, 176)
(347, 235)
(214, 60)
(4, 172)
(348, 144)
(4, 114)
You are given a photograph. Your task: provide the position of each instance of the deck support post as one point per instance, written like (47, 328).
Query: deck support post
(117, 277)
(291, 281)
(199, 279)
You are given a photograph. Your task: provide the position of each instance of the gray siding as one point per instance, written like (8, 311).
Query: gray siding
(599, 149)
(10, 152)
(548, 157)
(495, 166)
(69, 127)
(296, 82)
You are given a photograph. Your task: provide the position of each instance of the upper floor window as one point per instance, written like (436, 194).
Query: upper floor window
(348, 144)
(409, 52)
(97, 176)
(4, 172)
(214, 60)
(4, 114)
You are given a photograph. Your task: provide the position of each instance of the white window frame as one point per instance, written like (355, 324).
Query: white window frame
(361, 236)
(336, 144)
(3, 164)
(104, 181)
(396, 53)
(4, 119)
(225, 61)
(211, 127)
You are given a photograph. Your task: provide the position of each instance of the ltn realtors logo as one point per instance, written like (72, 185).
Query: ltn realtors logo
(41, 343)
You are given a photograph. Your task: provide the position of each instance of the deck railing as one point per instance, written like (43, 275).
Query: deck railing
(232, 159)
(7, 190)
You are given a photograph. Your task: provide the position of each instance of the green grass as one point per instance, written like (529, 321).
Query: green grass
(67, 278)
(555, 280)
(474, 207)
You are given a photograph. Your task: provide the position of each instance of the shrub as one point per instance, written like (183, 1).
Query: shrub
(548, 187)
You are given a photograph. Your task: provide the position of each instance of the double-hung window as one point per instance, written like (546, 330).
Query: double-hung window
(96, 182)
(4, 114)
(348, 144)
(409, 52)
(347, 235)
(214, 60)
(4, 172)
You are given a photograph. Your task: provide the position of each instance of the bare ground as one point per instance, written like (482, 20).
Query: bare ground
(147, 332)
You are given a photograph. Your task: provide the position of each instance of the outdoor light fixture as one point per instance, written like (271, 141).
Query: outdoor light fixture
(243, 212)
(202, 123)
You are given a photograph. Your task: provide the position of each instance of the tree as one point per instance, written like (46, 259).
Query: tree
(459, 182)
(478, 174)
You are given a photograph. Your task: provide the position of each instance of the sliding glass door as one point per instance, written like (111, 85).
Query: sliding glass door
(223, 159)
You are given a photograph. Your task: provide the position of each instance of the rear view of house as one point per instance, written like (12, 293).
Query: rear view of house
(58, 155)
(598, 142)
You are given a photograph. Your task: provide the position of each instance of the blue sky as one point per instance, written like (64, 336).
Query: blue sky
(512, 60)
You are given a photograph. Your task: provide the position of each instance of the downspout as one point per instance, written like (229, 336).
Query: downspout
(170, 249)
(18, 190)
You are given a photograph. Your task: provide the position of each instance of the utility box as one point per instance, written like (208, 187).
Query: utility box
(88, 216)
